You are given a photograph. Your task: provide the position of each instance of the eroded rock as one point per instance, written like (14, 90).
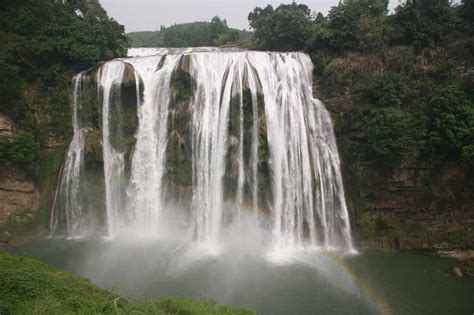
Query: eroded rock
(6, 127)
(17, 193)
(456, 271)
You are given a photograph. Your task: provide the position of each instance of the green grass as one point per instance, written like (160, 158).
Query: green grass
(28, 286)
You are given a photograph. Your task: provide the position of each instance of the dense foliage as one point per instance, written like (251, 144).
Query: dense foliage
(408, 76)
(213, 33)
(285, 27)
(28, 286)
(43, 43)
(23, 150)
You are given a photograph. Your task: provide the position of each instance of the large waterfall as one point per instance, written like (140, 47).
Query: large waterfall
(222, 134)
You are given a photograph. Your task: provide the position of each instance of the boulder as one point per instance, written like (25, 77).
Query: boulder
(6, 237)
(456, 271)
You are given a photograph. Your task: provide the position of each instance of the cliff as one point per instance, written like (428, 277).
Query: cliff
(24, 199)
(423, 205)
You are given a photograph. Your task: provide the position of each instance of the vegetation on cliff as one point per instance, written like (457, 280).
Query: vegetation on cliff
(213, 33)
(44, 43)
(408, 75)
(28, 286)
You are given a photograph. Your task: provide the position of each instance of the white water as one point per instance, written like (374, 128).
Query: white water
(67, 206)
(145, 190)
(306, 206)
(109, 81)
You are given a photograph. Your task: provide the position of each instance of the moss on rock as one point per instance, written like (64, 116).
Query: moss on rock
(179, 151)
(93, 151)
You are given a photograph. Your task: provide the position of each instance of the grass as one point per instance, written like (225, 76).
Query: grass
(28, 286)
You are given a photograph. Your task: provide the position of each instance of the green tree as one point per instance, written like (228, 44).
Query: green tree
(198, 34)
(393, 134)
(287, 27)
(423, 23)
(24, 149)
(358, 24)
(43, 44)
(384, 91)
(451, 118)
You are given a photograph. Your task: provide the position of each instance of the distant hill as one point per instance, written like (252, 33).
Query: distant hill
(214, 33)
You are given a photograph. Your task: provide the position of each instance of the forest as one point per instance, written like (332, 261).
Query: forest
(38, 58)
(195, 34)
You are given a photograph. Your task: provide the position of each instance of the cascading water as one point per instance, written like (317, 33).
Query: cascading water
(145, 191)
(109, 79)
(307, 185)
(241, 127)
(67, 208)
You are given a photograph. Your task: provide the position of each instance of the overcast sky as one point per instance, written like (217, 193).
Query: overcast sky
(148, 15)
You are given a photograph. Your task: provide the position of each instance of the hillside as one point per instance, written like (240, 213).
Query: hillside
(194, 34)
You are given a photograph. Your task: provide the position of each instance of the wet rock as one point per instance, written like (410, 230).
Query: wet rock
(456, 271)
(129, 78)
(53, 141)
(93, 147)
(232, 141)
(457, 254)
(6, 237)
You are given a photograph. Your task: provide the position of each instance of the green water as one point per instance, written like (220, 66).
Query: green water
(372, 282)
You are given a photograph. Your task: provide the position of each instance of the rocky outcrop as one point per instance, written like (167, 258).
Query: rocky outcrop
(17, 194)
(6, 127)
(414, 207)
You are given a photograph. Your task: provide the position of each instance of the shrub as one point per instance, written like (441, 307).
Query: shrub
(24, 150)
(393, 134)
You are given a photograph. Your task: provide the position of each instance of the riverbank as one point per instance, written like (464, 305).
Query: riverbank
(28, 286)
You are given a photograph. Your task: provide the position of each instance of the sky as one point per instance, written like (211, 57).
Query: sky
(148, 15)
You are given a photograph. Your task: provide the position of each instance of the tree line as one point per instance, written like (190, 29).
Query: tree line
(195, 34)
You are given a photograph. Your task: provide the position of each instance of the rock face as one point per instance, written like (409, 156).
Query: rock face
(416, 207)
(6, 127)
(17, 194)
(420, 206)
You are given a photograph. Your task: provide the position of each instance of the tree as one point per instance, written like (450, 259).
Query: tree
(451, 118)
(393, 134)
(198, 34)
(358, 24)
(287, 27)
(43, 44)
(423, 22)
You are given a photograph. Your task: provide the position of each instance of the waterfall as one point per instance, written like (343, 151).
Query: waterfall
(67, 207)
(109, 80)
(148, 165)
(235, 130)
